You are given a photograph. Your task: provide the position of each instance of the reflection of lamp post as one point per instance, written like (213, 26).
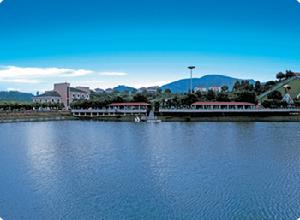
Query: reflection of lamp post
(191, 82)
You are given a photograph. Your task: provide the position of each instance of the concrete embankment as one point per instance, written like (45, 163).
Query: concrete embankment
(35, 116)
(32, 116)
(185, 118)
(230, 119)
(123, 118)
(279, 115)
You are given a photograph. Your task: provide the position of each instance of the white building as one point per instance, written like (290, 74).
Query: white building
(216, 89)
(99, 91)
(200, 89)
(48, 97)
(149, 90)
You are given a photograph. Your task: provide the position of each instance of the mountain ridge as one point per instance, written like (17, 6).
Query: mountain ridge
(15, 96)
(183, 85)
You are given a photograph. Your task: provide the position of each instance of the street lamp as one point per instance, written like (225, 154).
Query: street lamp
(191, 82)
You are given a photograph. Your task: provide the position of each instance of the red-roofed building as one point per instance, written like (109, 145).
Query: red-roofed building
(115, 109)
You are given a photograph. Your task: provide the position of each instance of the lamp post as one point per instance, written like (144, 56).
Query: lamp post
(191, 82)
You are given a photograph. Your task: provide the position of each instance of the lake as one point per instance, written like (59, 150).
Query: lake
(97, 170)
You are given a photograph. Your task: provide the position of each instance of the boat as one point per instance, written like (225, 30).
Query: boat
(137, 119)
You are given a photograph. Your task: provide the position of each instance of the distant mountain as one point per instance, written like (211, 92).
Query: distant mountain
(182, 86)
(124, 89)
(15, 96)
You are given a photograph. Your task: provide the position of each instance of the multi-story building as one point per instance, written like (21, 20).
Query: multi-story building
(216, 89)
(149, 90)
(99, 91)
(63, 93)
(109, 90)
(48, 97)
(200, 89)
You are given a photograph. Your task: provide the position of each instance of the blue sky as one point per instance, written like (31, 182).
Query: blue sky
(104, 43)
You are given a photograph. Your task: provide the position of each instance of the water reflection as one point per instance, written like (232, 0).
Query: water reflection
(92, 170)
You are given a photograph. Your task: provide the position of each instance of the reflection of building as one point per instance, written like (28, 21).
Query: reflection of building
(63, 93)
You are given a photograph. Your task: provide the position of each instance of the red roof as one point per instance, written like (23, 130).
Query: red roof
(130, 104)
(224, 103)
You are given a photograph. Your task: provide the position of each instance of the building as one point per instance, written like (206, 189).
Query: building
(99, 91)
(109, 90)
(115, 109)
(63, 93)
(48, 97)
(149, 90)
(200, 89)
(78, 93)
(222, 105)
(216, 89)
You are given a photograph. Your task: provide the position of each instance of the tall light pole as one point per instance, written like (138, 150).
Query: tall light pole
(191, 82)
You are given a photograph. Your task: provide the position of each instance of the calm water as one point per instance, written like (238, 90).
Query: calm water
(94, 170)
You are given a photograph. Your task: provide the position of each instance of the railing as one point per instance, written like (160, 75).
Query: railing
(229, 110)
(108, 110)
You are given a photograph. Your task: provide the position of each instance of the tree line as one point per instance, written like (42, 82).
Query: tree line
(242, 91)
(26, 106)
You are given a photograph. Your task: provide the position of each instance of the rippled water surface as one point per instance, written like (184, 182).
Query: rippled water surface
(94, 170)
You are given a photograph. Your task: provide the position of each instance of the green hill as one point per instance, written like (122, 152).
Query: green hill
(15, 96)
(294, 82)
(206, 81)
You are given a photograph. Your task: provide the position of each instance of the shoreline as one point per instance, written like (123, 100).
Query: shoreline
(35, 116)
(13, 117)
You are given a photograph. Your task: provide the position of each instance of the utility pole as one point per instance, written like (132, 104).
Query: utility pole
(191, 82)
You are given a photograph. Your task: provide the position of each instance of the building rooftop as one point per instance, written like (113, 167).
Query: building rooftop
(72, 89)
(130, 104)
(48, 94)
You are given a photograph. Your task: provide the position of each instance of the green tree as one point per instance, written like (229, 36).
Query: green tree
(275, 95)
(258, 87)
(289, 74)
(246, 97)
(210, 96)
(224, 89)
(140, 98)
(280, 76)
(223, 97)
(168, 91)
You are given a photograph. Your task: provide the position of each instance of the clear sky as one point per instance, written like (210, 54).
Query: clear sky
(103, 43)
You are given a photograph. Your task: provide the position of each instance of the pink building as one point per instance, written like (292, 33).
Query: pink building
(65, 94)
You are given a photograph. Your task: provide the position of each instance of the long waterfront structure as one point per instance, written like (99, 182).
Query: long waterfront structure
(115, 109)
